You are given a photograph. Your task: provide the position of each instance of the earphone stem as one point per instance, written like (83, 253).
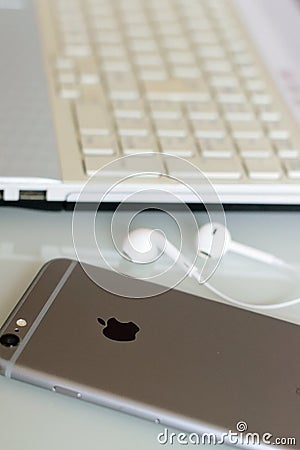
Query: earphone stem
(178, 257)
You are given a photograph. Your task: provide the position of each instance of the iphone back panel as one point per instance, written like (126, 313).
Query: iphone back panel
(174, 358)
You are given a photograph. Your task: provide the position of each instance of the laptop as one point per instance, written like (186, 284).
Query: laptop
(101, 98)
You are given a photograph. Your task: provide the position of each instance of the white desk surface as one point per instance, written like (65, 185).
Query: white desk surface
(34, 419)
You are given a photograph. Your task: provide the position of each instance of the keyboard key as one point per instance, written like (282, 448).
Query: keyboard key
(292, 168)
(230, 107)
(246, 129)
(242, 59)
(231, 94)
(255, 86)
(210, 52)
(78, 50)
(239, 117)
(115, 66)
(231, 98)
(217, 67)
(236, 47)
(111, 51)
(266, 108)
(255, 148)
(142, 165)
(136, 144)
(219, 81)
(168, 29)
(66, 78)
(147, 59)
(175, 43)
(177, 90)
(202, 110)
(122, 86)
(263, 169)
(271, 117)
(63, 63)
(200, 37)
(208, 128)
(133, 126)
(75, 38)
(288, 154)
(106, 36)
(165, 110)
(143, 45)
(216, 168)
(128, 109)
(178, 58)
(69, 91)
(278, 133)
(184, 147)
(171, 127)
(99, 145)
(108, 23)
(153, 73)
(249, 72)
(262, 99)
(285, 148)
(134, 17)
(92, 94)
(186, 72)
(87, 70)
(138, 31)
(93, 119)
(216, 148)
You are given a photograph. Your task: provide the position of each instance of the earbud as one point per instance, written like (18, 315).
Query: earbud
(144, 245)
(212, 236)
(213, 240)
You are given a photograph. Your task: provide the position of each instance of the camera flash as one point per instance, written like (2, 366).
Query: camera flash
(21, 323)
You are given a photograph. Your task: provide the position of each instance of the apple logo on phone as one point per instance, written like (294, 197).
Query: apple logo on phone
(119, 331)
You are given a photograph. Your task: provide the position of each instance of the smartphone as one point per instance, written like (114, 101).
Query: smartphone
(177, 359)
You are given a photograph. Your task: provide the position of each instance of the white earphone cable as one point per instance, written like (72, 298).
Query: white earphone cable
(270, 306)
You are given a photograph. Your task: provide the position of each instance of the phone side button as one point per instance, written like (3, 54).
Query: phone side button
(66, 391)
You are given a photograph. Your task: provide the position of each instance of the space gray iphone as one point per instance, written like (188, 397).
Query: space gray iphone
(181, 360)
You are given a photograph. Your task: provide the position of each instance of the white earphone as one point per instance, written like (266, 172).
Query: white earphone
(144, 245)
(211, 232)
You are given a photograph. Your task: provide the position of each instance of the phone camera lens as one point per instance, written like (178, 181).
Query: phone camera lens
(9, 340)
